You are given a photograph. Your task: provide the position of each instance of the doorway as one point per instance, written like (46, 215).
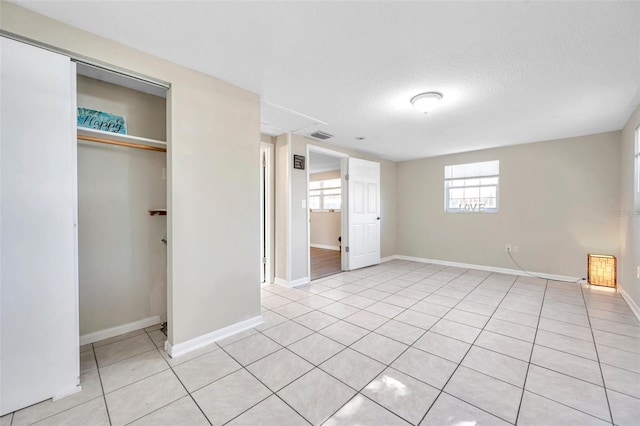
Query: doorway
(325, 197)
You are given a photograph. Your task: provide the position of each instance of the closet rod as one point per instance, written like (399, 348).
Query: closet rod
(112, 142)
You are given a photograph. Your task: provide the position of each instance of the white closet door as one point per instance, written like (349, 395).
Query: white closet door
(38, 279)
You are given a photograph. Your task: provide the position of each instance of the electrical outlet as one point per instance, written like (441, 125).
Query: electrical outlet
(304, 204)
(515, 249)
(638, 271)
(507, 247)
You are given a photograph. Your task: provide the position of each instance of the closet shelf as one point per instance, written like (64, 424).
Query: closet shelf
(158, 212)
(100, 136)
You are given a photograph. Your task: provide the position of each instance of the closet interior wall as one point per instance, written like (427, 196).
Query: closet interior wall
(122, 260)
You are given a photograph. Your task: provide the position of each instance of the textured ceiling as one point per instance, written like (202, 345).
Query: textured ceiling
(510, 72)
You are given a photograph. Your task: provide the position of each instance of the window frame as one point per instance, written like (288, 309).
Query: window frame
(475, 209)
(321, 196)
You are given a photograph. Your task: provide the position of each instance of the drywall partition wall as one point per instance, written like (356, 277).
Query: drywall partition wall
(629, 213)
(298, 222)
(553, 200)
(282, 207)
(39, 356)
(325, 226)
(213, 135)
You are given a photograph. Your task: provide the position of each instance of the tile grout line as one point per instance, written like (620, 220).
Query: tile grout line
(349, 347)
(533, 346)
(104, 395)
(467, 352)
(358, 392)
(604, 383)
(262, 383)
(181, 383)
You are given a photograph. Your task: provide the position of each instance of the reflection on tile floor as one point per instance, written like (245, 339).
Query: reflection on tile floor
(395, 344)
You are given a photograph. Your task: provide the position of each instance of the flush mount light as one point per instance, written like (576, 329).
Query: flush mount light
(426, 102)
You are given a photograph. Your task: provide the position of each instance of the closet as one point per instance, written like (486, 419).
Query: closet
(121, 205)
(82, 220)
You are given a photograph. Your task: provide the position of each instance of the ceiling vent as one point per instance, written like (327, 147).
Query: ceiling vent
(320, 135)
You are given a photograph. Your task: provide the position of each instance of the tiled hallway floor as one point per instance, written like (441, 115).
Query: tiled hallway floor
(395, 344)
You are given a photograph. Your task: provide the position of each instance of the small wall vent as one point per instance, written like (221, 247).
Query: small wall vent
(320, 135)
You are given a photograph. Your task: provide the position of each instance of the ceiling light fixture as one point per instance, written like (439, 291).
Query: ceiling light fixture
(426, 102)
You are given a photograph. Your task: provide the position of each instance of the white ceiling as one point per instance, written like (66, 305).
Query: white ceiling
(510, 72)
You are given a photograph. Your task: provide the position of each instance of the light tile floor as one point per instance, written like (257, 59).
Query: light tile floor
(395, 344)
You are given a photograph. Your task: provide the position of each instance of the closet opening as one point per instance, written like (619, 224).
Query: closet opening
(122, 204)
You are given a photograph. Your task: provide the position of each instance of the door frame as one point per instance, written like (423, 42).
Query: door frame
(343, 208)
(267, 216)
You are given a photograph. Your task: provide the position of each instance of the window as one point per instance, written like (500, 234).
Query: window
(325, 194)
(471, 188)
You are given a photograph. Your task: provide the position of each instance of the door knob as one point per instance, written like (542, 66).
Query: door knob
(378, 218)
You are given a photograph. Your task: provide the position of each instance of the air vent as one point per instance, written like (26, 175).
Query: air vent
(320, 135)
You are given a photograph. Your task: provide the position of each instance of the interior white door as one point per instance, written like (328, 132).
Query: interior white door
(363, 216)
(38, 280)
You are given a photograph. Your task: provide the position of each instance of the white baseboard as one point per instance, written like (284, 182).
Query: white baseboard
(388, 258)
(632, 304)
(290, 284)
(67, 392)
(96, 336)
(326, 247)
(487, 268)
(214, 336)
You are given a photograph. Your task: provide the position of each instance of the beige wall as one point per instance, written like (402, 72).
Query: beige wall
(325, 229)
(629, 213)
(213, 136)
(553, 201)
(122, 261)
(146, 115)
(298, 259)
(282, 201)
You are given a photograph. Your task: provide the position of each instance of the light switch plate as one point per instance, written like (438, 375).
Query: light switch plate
(304, 204)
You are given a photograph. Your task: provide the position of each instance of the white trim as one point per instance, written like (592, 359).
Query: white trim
(67, 392)
(327, 151)
(324, 246)
(632, 304)
(290, 284)
(299, 282)
(280, 281)
(289, 165)
(388, 258)
(96, 336)
(267, 149)
(214, 336)
(488, 268)
(76, 269)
